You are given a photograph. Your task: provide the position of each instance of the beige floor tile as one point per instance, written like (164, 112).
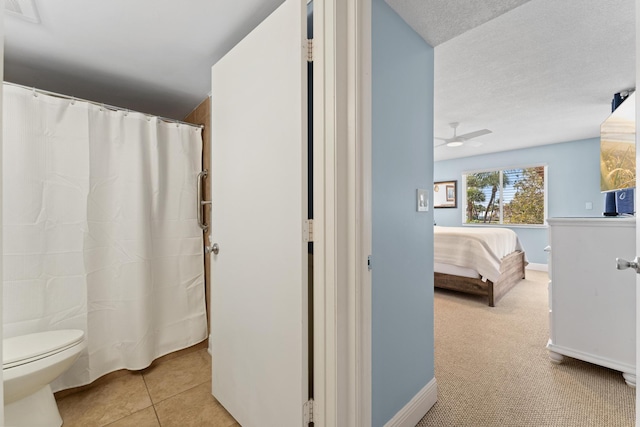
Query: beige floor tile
(180, 353)
(194, 408)
(176, 375)
(145, 418)
(106, 402)
(204, 353)
(103, 379)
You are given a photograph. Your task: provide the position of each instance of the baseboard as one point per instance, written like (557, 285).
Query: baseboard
(413, 411)
(537, 267)
(209, 348)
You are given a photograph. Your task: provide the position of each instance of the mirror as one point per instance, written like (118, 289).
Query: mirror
(445, 194)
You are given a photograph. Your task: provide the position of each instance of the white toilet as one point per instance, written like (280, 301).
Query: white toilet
(30, 363)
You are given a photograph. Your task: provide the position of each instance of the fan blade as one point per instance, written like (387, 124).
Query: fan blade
(441, 138)
(475, 134)
(450, 143)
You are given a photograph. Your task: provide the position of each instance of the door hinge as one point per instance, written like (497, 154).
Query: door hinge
(308, 411)
(369, 263)
(309, 50)
(307, 230)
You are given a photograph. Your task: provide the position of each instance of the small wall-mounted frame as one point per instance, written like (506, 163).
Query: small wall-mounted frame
(445, 194)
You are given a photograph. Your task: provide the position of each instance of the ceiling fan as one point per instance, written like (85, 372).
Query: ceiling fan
(458, 140)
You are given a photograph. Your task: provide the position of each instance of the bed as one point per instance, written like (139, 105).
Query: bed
(486, 261)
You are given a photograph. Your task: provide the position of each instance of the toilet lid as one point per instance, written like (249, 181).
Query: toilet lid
(25, 348)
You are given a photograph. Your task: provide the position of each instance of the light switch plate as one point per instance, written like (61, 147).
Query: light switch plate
(422, 200)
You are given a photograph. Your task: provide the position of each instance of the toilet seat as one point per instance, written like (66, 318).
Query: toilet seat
(24, 349)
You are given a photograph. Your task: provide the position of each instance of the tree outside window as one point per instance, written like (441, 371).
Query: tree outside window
(506, 196)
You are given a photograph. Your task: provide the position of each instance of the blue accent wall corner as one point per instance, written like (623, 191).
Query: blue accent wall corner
(402, 238)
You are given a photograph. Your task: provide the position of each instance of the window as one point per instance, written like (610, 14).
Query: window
(514, 196)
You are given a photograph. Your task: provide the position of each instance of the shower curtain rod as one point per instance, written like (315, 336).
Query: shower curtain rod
(99, 104)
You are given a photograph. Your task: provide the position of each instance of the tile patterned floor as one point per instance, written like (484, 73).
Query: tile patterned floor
(174, 391)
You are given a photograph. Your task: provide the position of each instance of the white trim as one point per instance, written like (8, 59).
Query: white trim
(496, 225)
(329, 354)
(537, 267)
(592, 358)
(510, 166)
(596, 221)
(342, 198)
(637, 221)
(417, 407)
(360, 79)
(2, 3)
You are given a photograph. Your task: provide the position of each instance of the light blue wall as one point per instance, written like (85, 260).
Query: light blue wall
(402, 161)
(573, 179)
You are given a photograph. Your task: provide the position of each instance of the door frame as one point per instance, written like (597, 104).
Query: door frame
(342, 212)
(1, 202)
(637, 214)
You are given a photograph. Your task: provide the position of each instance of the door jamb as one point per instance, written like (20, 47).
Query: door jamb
(342, 212)
(637, 423)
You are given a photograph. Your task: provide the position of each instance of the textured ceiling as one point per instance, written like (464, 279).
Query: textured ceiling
(438, 21)
(544, 72)
(534, 72)
(153, 56)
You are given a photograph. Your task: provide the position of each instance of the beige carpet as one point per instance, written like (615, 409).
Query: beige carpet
(492, 367)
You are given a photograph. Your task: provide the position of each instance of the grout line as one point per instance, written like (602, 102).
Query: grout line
(177, 394)
(153, 405)
(157, 417)
(109, 378)
(183, 391)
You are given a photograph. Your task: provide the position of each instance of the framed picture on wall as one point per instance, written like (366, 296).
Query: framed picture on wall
(445, 194)
(451, 193)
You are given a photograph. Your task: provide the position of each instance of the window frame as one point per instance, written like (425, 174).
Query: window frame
(463, 196)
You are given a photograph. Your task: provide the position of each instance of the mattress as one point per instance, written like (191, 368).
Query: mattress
(479, 249)
(454, 270)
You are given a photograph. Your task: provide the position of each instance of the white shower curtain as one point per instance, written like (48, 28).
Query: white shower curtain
(100, 230)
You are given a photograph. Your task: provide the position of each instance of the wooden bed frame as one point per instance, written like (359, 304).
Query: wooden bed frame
(511, 272)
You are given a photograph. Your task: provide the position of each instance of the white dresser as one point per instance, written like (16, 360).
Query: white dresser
(591, 303)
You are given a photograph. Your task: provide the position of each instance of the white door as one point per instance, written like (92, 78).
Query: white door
(259, 198)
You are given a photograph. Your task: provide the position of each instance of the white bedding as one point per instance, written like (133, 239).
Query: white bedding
(477, 248)
(454, 270)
